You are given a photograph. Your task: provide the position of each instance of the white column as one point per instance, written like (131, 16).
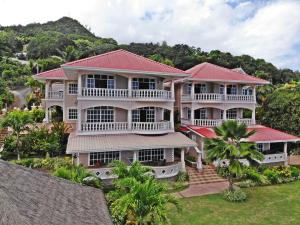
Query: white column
(199, 161)
(79, 120)
(46, 120)
(79, 84)
(77, 160)
(135, 156)
(172, 118)
(182, 160)
(225, 92)
(129, 119)
(172, 89)
(192, 116)
(47, 88)
(253, 116)
(129, 87)
(285, 153)
(192, 91)
(254, 93)
(224, 114)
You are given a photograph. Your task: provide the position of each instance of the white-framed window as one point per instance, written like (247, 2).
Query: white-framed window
(231, 114)
(221, 113)
(188, 113)
(232, 89)
(100, 81)
(260, 146)
(151, 155)
(146, 114)
(103, 157)
(221, 89)
(201, 113)
(72, 114)
(143, 83)
(72, 88)
(247, 91)
(200, 88)
(188, 88)
(102, 114)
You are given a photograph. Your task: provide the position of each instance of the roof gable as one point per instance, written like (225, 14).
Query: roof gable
(124, 60)
(211, 72)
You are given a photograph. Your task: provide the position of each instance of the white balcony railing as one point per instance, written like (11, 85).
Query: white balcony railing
(216, 97)
(211, 97)
(240, 98)
(273, 158)
(95, 126)
(124, 126)
(148, 126)
(156, 94)
(55, 94)
(214, 122)
(105, 92)
(207, 122)
(159, 171)
(245, 121)
(125, 93)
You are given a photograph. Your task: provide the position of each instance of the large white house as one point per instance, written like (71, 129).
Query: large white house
(213, 94)
(119, 110)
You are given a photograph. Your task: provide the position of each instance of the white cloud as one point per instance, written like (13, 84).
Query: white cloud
(265, 29)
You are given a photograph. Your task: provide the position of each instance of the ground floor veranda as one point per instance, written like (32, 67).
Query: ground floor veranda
(165, 154)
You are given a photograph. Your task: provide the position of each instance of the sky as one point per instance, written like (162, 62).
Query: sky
(268, 29)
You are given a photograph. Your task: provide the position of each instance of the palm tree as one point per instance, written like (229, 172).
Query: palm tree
(136, 202)
(138, 197)
(230, 144)
(17, 121)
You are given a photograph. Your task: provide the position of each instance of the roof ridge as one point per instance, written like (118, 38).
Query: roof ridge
(165, 65)
(59, 68)
(92, 57)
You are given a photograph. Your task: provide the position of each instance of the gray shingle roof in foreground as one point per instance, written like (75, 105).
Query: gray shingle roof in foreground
(29, 197)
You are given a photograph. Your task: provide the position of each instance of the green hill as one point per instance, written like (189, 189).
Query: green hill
(65, 25)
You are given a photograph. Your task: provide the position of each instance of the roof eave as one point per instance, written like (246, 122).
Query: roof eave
(123, 71)
(228, 81)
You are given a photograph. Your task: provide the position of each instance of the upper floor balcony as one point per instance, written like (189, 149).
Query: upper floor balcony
(123, 87)
(217, 93)
(212, 117)
(114, 120)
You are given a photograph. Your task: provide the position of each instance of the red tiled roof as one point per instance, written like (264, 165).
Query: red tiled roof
(262, 134)
(211, 72)
(54, 74)
(124, 60)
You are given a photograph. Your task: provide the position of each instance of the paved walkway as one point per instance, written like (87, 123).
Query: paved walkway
(203, 189)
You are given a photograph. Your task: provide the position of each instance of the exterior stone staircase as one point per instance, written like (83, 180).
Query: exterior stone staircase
(207, 175)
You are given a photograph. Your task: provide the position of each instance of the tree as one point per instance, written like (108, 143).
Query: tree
(230, 145)
(138, 197)
(17, 120)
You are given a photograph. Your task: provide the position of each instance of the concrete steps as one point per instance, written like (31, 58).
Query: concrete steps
(207, 175)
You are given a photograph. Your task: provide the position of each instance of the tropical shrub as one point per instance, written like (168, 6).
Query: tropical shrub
(191, 158)
(295, 172)
(251, 173)
(77, 174)
(223, 171)
(182, 176)
(236, 195)
(272, 176)
(45, 163)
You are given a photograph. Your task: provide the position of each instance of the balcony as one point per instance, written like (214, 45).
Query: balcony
(127, 94)
(214, 122)
(274, 158)
(219, 98)
(56, 95)
(134, 127)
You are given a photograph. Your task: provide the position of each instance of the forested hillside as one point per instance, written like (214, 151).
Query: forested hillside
(47, 46)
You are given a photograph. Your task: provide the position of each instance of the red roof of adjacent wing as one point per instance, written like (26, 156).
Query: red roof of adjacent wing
(262, 134)
(211, 72)
(124, 60)
(52, 74)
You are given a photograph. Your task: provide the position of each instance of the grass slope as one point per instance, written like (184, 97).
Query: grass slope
(278, 204)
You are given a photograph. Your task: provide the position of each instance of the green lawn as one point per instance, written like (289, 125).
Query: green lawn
(278, 204)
